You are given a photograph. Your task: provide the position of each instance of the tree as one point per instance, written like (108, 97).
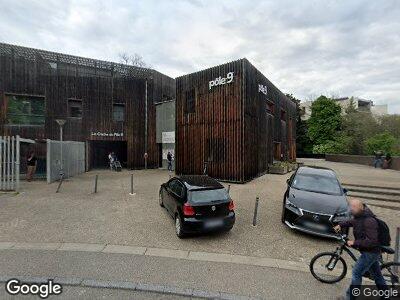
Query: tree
(133, 60)
(391, 123)
(384, 142)
(325, 120)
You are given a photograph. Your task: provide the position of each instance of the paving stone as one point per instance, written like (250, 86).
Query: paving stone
(37, 246)
(124, 249)
(150, 287)
(68, 281)
(6, 245)
(206, 256)
(167, 253)
(206, 294)
(82, 247)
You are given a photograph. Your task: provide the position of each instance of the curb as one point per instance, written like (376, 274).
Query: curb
(129, 285)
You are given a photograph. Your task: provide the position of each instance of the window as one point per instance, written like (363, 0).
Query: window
(190, 101)
(75, 108)
(176, 187)
(119, 112)
(270, 107)
(25, 110)
(283, 115)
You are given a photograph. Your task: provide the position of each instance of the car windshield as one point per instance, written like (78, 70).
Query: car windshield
(202, 196)
(317, 183)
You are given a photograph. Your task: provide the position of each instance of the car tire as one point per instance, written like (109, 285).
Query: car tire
(160, 201)
(178, 226)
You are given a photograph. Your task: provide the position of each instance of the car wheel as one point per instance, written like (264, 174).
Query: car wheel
(178, 226)
(160, 200)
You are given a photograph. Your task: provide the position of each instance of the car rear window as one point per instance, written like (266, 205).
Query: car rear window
(203, 196)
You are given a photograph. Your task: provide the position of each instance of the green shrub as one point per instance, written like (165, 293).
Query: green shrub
(384, 142)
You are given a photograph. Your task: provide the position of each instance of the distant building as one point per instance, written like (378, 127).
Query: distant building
(360, 104)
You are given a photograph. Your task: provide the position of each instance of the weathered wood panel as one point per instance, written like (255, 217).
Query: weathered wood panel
(99, 85)
(234, 118)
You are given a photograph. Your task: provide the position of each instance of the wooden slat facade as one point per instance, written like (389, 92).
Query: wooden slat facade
(230, 127)
(59, 78)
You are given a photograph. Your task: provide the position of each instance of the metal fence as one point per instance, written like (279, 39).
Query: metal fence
(72, 163)
(9, 163)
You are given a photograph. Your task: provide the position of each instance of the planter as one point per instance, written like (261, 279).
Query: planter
(276, 169)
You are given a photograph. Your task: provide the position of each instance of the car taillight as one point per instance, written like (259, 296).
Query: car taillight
(188, 210)
(231, 206)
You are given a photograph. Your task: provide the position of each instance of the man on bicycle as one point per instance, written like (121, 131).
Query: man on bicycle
(366, 240)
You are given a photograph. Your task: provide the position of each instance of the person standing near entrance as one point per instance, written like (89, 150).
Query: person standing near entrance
(31, 163)
(169, 159)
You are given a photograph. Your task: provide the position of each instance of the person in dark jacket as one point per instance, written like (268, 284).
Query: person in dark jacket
(366, 240)
(169, 159)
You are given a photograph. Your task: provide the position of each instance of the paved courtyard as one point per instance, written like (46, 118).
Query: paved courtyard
(112, 216)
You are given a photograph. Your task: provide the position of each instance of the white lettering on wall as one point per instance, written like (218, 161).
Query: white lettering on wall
(262, 89)
(108, 134)
(221, 80)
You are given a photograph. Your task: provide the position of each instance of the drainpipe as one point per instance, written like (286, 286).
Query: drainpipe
(145, 129)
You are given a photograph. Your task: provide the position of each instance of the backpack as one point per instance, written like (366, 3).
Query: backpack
(383, 233)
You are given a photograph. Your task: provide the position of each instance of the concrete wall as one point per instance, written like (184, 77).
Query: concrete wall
(361, 159)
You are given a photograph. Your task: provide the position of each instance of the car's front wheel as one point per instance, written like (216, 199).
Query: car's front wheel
(178, 226)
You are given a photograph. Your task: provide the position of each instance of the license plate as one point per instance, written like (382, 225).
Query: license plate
(213, 224)
(315, 226)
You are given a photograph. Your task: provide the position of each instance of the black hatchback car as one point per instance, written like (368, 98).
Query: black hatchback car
(314, 200)
(198, 203)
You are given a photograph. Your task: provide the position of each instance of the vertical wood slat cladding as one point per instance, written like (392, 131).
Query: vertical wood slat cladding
(98, 85)
(235, 112)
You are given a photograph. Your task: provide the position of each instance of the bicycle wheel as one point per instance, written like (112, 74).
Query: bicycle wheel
(328, 267)
(391, 273)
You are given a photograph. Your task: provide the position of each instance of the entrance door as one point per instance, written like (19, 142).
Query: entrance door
(101, 149)
(277, 151)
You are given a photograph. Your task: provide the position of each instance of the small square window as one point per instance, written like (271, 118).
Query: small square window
(119, 112)
(75, 108)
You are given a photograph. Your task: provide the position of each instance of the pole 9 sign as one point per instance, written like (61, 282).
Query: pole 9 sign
(220, 80)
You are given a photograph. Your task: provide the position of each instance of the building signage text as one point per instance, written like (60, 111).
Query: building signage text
(107, 134)
(221, 80)
(168, 137)
(262, 89)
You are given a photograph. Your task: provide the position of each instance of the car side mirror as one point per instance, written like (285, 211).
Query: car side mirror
(345, 190)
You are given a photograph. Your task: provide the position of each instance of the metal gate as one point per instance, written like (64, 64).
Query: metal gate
(9, 163)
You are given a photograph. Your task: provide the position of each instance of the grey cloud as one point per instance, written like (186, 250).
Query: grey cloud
(304, 47)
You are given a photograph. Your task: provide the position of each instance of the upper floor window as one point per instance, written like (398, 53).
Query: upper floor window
(119, 112)
(75, 108)
(25, 110)
(190, 106)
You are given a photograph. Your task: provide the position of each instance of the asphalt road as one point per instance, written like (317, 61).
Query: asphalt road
(244, 280)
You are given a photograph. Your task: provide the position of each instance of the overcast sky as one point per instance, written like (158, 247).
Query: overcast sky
(307, 48)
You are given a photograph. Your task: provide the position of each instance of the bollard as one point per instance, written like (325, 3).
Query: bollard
(397, 249)
(59, 184)
(255, 212)
(95, 183)
(132, 193)
(229, 188)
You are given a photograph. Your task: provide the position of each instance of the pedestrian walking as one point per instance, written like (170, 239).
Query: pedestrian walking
(169, 159)
(31, 163)
(369, 234)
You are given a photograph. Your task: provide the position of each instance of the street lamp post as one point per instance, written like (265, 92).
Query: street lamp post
(61, 123)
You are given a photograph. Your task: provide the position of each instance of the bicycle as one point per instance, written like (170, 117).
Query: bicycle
(337, 265)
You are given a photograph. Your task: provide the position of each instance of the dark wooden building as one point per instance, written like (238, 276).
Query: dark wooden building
(235, 120)
(108, 105)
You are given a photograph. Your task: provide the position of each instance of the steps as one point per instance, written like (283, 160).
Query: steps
(382, 196)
